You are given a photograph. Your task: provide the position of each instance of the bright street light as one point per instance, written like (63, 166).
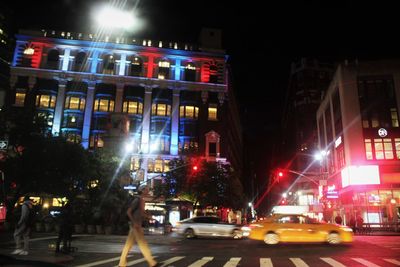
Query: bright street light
(112, 18)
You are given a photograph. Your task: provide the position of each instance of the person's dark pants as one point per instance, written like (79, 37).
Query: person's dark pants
(64, 235)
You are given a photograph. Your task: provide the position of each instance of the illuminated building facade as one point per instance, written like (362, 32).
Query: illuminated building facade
(358, 127)
(163, 98)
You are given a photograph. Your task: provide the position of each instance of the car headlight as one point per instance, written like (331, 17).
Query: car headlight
(347, 229)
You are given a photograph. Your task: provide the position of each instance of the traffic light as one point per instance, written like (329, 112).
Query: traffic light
(280, 173)
(195, 168)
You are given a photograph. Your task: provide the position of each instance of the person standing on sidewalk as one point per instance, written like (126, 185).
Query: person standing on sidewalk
(24, 226)
(65, 232)
(136, 214)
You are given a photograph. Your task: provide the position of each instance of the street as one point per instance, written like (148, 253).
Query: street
(104, 251)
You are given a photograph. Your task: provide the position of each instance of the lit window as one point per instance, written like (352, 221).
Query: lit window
(383, 149)
(104, 105)
(135, 164)
(163, 69)
(212, 112)
(166, 165)
(394, 117)
(161, 109)
(73, 103)
(375, 121)
(397, 147)
(45, 101)
(158, 166)
(20, 99)
(182, 111)
(132, 107)
(96, 141)
(368, 149)
(150, 165)
(73, 138)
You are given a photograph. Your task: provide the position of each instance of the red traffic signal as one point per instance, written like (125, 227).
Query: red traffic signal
(280, 174)
(195, 168)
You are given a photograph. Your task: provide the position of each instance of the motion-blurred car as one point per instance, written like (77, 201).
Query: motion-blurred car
(207, 226)
(298, 228)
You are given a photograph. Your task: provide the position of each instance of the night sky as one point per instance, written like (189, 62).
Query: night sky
(261, 37)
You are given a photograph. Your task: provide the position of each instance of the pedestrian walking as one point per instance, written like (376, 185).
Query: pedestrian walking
(65, 233)
(23, 228)
(338, 219)
(136, 214)
(359, 224)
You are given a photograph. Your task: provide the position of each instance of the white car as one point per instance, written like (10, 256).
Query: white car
(207, 226)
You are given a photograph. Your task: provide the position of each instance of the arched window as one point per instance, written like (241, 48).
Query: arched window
(190, 72)
(108, 64)
(28, 53)
(163, 69)
(53, 59)
(80, 62)
(136, 66)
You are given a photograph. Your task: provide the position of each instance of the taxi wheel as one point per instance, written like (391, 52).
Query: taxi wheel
(237, 234)
(189, 233)
(333, 238)
(271, 239)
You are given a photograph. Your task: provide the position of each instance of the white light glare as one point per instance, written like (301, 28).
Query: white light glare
(320, 155)
(110, 17)
(284, 195)
(129, 147)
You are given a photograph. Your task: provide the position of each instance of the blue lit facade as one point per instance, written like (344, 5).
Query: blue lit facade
(163, 97)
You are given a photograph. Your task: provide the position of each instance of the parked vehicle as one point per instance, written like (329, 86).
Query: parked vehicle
(298, 228)
(207, 226)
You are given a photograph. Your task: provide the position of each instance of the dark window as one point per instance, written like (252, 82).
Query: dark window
(212, 149)
(53, 59)
(80, 62)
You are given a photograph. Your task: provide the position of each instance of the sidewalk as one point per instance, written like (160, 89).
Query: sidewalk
(47, 256)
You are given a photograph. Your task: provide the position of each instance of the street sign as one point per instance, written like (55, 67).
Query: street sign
(130, 187)
(3, 145)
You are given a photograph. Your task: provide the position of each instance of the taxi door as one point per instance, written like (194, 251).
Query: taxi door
(290, 229)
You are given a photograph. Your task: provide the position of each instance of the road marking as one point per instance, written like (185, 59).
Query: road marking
(201, 262)
(393, 261)
(130, 263)
(232, 262)
(365, 262)
(298, 262)
(332, 262)
(99, 262)
(266, 262)
(171, 260)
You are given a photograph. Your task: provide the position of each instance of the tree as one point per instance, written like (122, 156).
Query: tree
(212, 184)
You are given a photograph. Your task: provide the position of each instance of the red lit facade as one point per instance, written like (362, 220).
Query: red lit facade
(358, 127)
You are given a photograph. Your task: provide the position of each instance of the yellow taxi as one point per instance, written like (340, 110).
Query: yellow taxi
(298, 228)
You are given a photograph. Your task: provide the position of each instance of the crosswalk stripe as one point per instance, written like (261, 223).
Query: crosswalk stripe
(332, 262)
(99, 262)
(171, 260)
(130, 263)
(298, 262)
(265, 262)
(393, 261)
(201, 262)
(232, 262)
(365, 262)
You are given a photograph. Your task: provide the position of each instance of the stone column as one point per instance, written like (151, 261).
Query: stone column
(146, 120)
(175, 123)
(122, 65)
(88, 114)
(66, 57)
(119, 97)
(177, 69)
(58, 113)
